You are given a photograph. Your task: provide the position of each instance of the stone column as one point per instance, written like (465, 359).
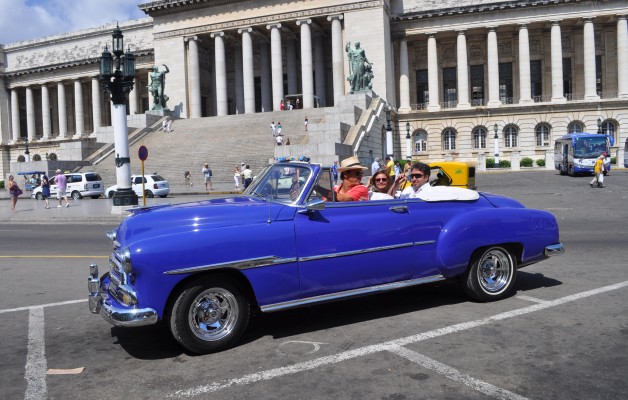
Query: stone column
(622, 57)
(557, 64)
(96, 111)
(61, 109)
(462, 71)
(15, 115)
(78, 108)
(291, 60)
(276, 64)
(307, 76)
(337, 57)
(45, 113)
(194, 73)
(30, 114)
(248, 79)
(590, 90)
(239, 86)
(132, 98)
(492, 69)
(319, 68)
(267, 93)
(432, 74)
(404, 79)
(222, 102)
(525, 93)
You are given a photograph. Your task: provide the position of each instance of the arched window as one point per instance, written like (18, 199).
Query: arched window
(608, 128)
(21, 159)
(420, 141)
(36, 157)
(449, 139)
(542, 133)
(575, 127)
(479, 138)
(510, 136)
(52, 156)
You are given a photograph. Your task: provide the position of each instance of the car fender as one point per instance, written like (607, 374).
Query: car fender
(469, 231)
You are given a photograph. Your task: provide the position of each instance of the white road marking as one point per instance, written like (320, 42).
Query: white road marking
(317, 345)
(454, 374)
(61, 303)
(386, 346)
(532, 299)
(36, 365)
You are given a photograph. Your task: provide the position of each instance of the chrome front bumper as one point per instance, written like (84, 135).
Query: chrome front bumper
(554, 250)
(110, 309)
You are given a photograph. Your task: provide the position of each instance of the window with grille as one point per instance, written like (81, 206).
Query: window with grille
(420, 141)
(510, 136)
(479, 138)
(449, 139)
(542, 135)
(575, 127)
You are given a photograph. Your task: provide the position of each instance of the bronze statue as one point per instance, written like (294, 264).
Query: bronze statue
(156, 87)
(360, 69)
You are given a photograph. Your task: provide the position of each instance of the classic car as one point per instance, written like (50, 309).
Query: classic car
(452, 173)
(202, 267)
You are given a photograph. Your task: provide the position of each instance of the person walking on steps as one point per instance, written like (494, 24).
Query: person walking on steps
(207, 175)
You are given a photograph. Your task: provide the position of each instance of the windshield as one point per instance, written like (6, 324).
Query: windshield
(282, 183)
(590, 147)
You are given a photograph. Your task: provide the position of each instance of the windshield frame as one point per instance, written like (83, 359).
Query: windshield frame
(258, 188)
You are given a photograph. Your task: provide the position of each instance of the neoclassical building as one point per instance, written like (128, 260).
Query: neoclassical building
(457, 74)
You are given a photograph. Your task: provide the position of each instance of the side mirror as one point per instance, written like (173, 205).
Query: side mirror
(313, 205)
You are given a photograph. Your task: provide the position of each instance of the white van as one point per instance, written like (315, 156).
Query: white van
(80, 184)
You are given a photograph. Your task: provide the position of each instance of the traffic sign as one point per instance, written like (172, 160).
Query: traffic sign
(142, 153)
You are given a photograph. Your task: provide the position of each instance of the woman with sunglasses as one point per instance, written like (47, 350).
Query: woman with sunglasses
(379, 186)
(419, 178)
(351, 188)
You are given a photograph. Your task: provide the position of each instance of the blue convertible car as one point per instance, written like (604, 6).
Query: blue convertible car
(201, 267)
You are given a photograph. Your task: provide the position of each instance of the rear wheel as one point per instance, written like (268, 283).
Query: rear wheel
(491, 275)
(570, 171)
(95, 197)
(149, 194)
(76, 195)
(210, 315)
(163, 196)
(111, 194)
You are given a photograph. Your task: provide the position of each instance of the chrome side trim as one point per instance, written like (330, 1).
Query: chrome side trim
(554, 249)
(241, 264)
(350, 293)
(364, 251)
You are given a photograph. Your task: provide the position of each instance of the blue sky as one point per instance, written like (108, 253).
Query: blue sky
(30, 19)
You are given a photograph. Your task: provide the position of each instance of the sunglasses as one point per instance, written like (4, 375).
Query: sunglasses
(417, 176)
(381, 180)
(356, 173)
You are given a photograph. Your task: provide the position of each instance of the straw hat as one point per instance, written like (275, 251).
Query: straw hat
(350, 163)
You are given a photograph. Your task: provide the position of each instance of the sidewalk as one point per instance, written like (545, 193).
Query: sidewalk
(90, 211)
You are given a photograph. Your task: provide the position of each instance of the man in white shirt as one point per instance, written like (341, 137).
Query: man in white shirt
(375, 166)
(419, 177)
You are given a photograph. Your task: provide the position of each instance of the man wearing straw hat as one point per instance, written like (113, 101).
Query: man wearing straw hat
(351, 188)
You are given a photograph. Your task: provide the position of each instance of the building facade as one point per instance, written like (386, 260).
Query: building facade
(460, 75)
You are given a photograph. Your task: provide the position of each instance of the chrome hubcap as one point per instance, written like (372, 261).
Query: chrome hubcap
(213, 314)
(495, 271)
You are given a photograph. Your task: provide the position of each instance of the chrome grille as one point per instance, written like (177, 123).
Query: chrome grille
(117, 276)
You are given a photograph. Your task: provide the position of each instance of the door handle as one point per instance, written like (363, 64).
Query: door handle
(399, 209)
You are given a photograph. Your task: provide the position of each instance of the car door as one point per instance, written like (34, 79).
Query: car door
(353, 245)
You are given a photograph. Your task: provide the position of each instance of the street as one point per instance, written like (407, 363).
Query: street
(564, 335)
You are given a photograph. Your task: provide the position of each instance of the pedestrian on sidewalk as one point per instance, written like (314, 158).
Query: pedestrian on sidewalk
(305, 123)
(14, 192)
(45, 190)
(62, 184)
(248, 176)
(273, 128)
(281, 106)
(207, 175)
(598, 170)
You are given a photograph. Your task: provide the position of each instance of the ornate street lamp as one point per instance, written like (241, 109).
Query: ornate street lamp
(496, 138)
(117, 73)
(599, 126)
(389, 134)
(27, 153)
(408, 143)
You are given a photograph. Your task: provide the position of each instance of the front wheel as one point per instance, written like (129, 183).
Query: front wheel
(76, 195)
(210, 315)
(491, 275)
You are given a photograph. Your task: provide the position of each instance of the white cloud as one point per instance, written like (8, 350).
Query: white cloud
(31, 19)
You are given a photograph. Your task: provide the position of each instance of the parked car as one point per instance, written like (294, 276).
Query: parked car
(452, 173)
(202, 267)
(154, 185)
(80, 184)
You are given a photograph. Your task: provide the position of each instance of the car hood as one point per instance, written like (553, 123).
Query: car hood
(163, 220)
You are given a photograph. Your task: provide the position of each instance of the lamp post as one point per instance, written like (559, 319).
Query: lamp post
(116, 76)
(496, 138)
(27, 153)
(389, 135)
(599, 126)
(408, 143)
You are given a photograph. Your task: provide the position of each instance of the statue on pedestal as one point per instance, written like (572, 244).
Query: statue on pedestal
(157, 85)
(360, 69)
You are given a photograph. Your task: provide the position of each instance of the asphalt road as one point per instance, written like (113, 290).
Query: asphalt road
(564, 335)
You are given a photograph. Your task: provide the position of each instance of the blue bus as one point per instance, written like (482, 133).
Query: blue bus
(575, 153)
